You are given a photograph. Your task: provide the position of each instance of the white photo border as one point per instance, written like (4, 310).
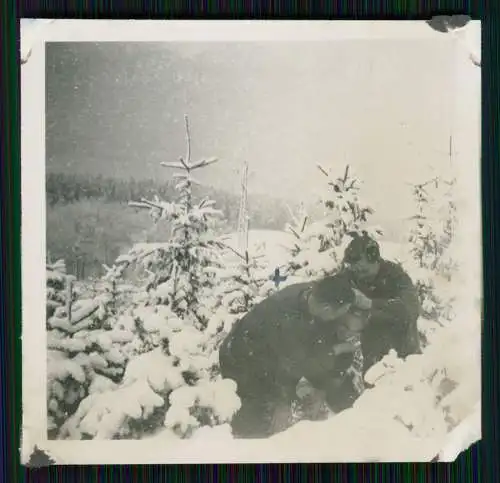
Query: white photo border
(34, 430)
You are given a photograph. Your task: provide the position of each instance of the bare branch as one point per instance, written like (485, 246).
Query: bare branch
(184, 164)
(423, 185)
(352, 185)
(294, 233)
(145, 204)
(203, 163)
(346, 174)
(291, 213)
(204, 201)
(232, 249)
(304, 224)
(323, 170)
(173, 165)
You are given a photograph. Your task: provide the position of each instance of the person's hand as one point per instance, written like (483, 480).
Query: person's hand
(361, 301)
(355, 324)
(343, 348)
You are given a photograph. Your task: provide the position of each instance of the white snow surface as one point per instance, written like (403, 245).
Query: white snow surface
(412, 414)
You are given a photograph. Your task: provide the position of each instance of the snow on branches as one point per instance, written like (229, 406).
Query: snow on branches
(243, 281)
(430, 239)
(59, 290)
(319, 245)
(84, 354)
(177, 266)
(160, 334)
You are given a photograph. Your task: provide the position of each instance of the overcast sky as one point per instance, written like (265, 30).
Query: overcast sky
(383, 106)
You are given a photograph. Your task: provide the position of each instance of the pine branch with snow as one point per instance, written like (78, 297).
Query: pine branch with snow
(318, 247)
(83, 356)
(60, 292)
(431, 246)
(243, 281)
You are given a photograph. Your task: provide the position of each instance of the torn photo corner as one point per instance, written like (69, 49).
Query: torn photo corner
(447, 23)
(168, 316)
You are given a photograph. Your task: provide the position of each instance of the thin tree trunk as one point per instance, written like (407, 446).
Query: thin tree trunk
(69, 297)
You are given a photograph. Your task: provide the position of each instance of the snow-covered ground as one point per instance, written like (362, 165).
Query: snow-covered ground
(272, 244)
(413, 410)
(408, 415)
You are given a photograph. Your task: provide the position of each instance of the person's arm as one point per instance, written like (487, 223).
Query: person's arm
(403, 306)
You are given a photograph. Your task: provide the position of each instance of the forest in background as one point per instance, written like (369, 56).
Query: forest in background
(89, 223)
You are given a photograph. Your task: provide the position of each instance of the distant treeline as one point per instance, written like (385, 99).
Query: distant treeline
(266, 212)
(89, 222)
(70, 188)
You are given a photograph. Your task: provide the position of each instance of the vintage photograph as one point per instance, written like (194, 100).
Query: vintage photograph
(251, 241)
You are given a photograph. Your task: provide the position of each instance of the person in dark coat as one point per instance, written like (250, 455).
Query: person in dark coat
(387, 294)
(294, 333)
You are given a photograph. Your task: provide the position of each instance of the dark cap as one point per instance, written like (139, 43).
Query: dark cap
(361, 245)
(335, 290)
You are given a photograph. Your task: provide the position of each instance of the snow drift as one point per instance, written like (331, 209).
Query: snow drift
(412, 412)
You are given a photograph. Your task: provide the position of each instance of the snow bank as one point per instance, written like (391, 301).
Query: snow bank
(414, 410)
(412, 413)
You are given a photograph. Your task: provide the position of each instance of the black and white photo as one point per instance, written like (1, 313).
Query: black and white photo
(250, 241)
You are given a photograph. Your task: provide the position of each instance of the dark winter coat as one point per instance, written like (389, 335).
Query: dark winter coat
(278, 342)
(394, 314)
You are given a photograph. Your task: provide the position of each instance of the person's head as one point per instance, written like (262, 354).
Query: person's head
(332, 298)
(362, 257)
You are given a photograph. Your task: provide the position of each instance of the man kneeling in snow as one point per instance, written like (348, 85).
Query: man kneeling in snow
(302, 331)
(387, 294)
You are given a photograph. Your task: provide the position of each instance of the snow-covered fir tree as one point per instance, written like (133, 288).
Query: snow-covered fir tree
(83, 356)
(171, 378)
(431, 246)
(243, 282)
(59, 288)
(319, 245)
(297, 226)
